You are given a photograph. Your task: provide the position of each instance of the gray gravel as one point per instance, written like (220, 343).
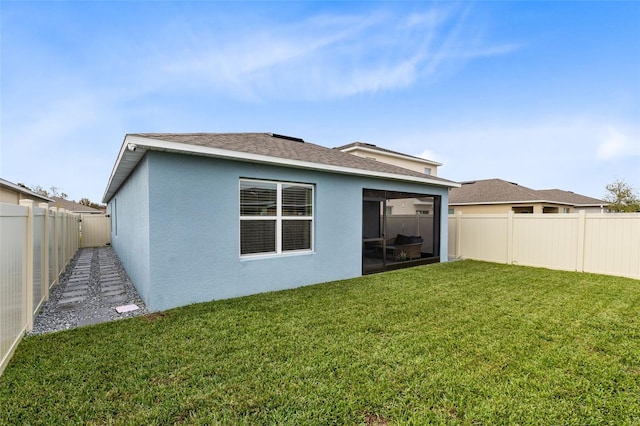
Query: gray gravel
(93, 285)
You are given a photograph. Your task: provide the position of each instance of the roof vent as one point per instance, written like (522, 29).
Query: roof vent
(289, 138)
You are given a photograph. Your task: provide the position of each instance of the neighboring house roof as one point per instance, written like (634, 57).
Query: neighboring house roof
(266, 148)
(498, 191)
(74, 207)
(363, 146)
(571, 197)
(23, 190)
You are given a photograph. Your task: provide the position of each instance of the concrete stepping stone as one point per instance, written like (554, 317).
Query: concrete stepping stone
(109, 277)
(71, 288)
(94, 320)
(73, 293)
(92, 312)
(69, 306)
(70, 300)
(111, 284)
(116, 299)
(113, 292)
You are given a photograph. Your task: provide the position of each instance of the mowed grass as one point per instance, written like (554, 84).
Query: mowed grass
(458, 343)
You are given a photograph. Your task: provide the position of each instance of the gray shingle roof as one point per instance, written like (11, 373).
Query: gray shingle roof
(268, 148)
(73, 206)
(569, 197)
(489, 191)
(277, 146)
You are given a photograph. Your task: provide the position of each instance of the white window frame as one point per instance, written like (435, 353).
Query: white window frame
(278, 217)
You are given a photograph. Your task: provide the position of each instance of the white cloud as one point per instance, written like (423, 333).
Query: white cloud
(541, 154)
(617, 144)
(322, 57)
(428, 154)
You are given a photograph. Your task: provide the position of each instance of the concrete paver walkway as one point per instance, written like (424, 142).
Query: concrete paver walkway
(92, 290)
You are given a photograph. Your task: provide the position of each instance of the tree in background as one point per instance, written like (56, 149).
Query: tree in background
(54, 191)
(88, 202)
(622, 197)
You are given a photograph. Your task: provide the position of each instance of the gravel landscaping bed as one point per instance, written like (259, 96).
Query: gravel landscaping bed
(93, 285)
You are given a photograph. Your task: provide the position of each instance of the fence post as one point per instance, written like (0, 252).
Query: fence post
(458, 253)
(45, 251)
(28, 281)
(582, 219)
(56, 244)
(510, 237)
(64, 238)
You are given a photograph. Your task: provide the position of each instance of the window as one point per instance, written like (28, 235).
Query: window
(427, 170)
(524, 209)
(275, 217)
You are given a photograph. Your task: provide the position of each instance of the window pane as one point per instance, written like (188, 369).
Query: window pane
(296, 235)
(258, 198)
(257, 236)
(296, 200)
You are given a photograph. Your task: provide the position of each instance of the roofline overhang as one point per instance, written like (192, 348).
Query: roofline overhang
(488, 203)
(135, 147)
(391, 154)
(7, 184)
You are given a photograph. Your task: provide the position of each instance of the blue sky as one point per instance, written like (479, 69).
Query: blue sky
(546, 94)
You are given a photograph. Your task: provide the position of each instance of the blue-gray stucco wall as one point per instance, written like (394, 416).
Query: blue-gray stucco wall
(129, 210)
(178, 229)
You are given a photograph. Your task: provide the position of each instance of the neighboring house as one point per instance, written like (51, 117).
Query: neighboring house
(368, 150)
(198, 217)
(500, 196)
(73, 207)
(422, 165)
(12, 193)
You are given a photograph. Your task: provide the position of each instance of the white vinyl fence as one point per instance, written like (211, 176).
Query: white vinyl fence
(607, 243)
(36, 244)
(412, 224)
(95, 230)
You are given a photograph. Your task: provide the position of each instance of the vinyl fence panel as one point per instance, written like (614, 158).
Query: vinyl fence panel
(605, 243)
(96, 230)
(36, 244)
(13, 294)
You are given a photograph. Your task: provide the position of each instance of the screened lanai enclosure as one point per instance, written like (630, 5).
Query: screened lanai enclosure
(399, 230)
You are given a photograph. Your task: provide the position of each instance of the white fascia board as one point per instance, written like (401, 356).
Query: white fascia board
(391, 154)
(128, 160)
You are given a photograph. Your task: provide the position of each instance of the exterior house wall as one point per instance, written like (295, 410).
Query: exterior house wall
(8, 196)
(11, 193)
(406, 163)
(129, 211)
(190, 246)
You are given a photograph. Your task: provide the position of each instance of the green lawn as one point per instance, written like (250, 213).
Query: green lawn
(458, 343)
